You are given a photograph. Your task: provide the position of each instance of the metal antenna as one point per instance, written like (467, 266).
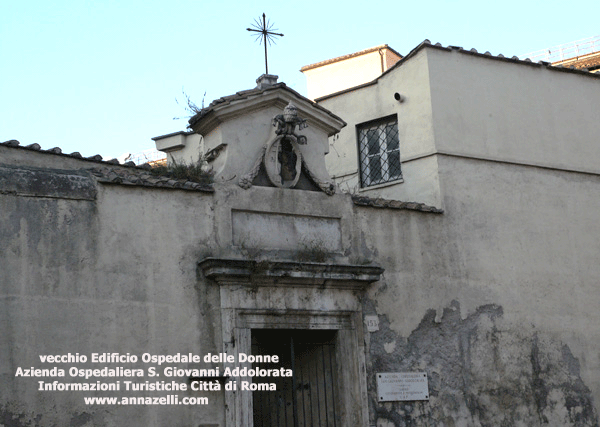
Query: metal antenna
(265, 35)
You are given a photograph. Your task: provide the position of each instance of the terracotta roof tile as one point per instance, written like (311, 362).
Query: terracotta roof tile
(142, 178)
(245, 94)
(394, 204)
(111, 172)
(474, 52)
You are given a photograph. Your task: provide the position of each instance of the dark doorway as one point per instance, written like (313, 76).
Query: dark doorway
(308, 399)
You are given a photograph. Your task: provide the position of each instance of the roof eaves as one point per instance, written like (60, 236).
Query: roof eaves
(396, 65)
(350, 89)
(144, 178)
(348, 56)
(181, 132)
(228, 99)
(246, 94)
(57, 151)
(394, 204)
(394, 51)
(526, 61)
(417, 49)
(473, 52)
(112, 172)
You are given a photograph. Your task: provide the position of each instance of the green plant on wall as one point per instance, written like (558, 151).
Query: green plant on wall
(189, 172)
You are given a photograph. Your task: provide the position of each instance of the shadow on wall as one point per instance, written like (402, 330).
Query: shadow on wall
(481, 373)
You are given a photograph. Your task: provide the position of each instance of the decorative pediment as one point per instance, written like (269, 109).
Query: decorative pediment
(277, 95)
(269, 136)
(281, 157)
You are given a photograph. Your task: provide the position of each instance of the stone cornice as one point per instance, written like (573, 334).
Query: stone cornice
(349, 56)
(277, 96)
(287, 273)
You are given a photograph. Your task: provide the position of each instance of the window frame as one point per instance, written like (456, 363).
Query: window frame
(365, 178)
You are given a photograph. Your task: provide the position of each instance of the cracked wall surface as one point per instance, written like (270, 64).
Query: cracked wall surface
(482, 371)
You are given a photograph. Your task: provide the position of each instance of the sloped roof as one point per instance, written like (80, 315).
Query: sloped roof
(112, 172)
(473, 52)
(349, 56)
(253, 93)
(590, 61)
(57, 150)
(144, 178)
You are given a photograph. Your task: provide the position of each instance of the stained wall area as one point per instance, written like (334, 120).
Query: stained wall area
(95, 268)
(495, 300)
(480, 265)
(504, 282)
(105, 258)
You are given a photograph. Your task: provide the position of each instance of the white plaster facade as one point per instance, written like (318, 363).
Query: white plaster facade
(462, 104)
(346, 71)
(189, 146)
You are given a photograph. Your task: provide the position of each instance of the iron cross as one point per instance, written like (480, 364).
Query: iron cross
(265, 31)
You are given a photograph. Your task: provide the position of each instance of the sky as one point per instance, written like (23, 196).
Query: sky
(105, 76)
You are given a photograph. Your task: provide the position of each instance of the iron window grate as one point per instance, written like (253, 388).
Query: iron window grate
(379, 152)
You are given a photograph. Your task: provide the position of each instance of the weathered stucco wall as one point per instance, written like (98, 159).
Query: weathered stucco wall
(473, 106)
(111, 268)
(415, 127)
(495, 299)
(483, 371)
(526, 113)
(112, 274)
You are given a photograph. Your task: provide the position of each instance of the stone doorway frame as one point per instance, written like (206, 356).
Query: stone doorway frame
(291, 295)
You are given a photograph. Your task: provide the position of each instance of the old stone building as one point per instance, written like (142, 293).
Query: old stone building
(439, 221)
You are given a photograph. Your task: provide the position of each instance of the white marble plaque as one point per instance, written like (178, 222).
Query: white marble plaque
(402, 386)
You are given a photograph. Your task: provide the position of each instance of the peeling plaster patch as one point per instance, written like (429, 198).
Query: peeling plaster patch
(384, 423)
(482, 372)
(389, 346)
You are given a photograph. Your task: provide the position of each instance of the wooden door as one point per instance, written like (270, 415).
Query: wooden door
(309, 397)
